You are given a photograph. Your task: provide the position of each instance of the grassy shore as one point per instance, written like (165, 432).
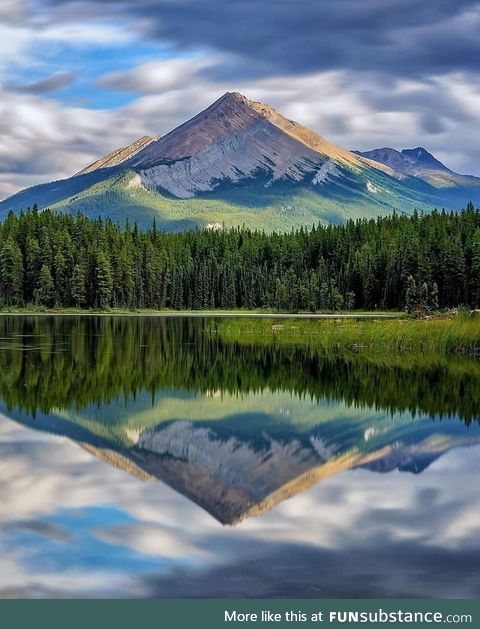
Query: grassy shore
(240, 312)
(460, 334)
(355, 331)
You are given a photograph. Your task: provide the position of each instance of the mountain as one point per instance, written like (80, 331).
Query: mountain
(409, 161)
(241, 162)
(419, 163)
(118, 156)
(243, 464)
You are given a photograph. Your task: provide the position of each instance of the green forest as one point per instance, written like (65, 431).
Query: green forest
(423, 262)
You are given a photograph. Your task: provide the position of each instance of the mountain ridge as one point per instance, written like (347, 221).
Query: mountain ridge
(420, 163)
(242, 162)
(118, 156)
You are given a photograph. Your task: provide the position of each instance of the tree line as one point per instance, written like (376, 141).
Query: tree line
(423, 261)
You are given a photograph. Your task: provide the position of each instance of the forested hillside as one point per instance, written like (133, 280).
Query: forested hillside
(429, 261)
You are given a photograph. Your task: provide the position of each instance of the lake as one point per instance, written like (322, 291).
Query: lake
(159, 457)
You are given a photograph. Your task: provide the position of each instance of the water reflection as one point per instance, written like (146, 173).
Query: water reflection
(236, 429)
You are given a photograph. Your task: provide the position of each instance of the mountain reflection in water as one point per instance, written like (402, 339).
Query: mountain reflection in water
(235, 427)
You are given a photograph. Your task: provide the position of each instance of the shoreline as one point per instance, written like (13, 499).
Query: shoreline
(208, 314)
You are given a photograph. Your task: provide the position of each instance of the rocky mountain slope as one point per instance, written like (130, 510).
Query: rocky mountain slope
(419, 163)
(118, 156)
(234, 475)
(241, 162)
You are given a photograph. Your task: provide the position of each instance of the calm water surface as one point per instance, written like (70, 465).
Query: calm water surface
(155, 458)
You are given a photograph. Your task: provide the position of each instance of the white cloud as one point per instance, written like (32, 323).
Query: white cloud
(157, 76)
(80, 33)
(43, 140)
(43, 476)
(15, 41)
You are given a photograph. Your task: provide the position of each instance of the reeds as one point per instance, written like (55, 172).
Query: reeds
(458, 335)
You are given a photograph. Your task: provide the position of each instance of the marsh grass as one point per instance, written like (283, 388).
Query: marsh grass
(458, 335)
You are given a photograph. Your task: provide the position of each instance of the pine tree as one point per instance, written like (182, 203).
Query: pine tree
(313, 291)
(32, 265)
(424, 296)
(45, 293)
(336, 298)
(324, 297)
(61, 281)
(281, 295)
(434, 305)
(411, 295)
(428, 260)
(103, 282)
(78, 286)
(11, 274)
(475, 273)
(350, 300)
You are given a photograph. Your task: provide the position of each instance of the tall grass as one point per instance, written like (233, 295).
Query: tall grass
(460, 335)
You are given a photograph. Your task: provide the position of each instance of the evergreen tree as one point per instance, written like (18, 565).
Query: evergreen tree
(78, 289)
(424, 295)
(281, 295)
(427, 261)
(103, 281)
(11, 274)
(434, 305)
(45, 293)
(475, 274)
(350, 300)
(411, 295)
(61, 280)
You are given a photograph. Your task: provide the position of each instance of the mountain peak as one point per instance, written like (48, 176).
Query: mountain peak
(419, 152)
(230, 114)
(420, 155)
(237, 101)
(416, 162)
(234, 96)
(229, 97)
(388, 156)
(233, 139)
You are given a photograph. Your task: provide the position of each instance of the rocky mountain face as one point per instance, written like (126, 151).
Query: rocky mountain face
(234, 479)
(118, 156)
(234, 476)
(418, 162)
(240, 161)
(233, 140)
(408, 161)
(228, 477)
(421, 156)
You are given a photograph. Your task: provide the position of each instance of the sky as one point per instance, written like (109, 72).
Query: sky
(71, 525)
(80, 78)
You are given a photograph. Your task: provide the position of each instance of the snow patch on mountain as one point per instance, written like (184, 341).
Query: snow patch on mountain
(372, 188)
(326, 452)
(135, 182)
(327, 171)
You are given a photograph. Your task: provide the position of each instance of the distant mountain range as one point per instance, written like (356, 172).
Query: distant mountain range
(241, 162)
(423, 165)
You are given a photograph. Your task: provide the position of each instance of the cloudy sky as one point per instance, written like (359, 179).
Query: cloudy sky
(79, 78)
(71, 525)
